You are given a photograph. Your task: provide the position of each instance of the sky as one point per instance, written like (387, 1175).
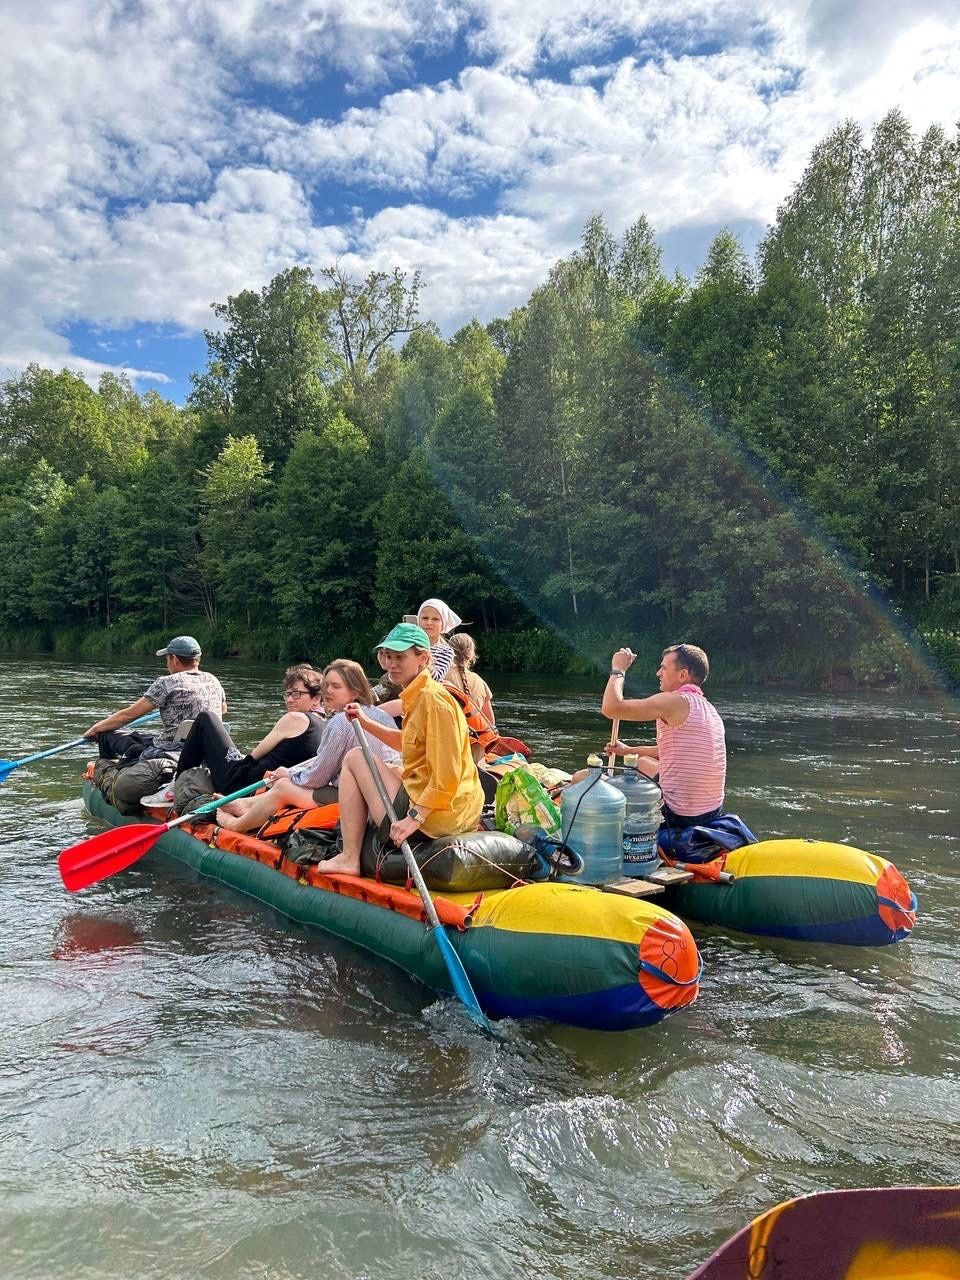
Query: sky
(160, 156)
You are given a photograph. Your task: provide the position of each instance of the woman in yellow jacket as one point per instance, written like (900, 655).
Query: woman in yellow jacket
(440, 794)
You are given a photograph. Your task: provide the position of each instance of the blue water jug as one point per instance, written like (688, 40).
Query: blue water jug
(641, 821)
(591, 814)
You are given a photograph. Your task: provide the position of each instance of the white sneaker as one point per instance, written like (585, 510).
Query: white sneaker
(160, 799)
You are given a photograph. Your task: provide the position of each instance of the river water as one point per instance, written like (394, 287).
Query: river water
(191, 1088)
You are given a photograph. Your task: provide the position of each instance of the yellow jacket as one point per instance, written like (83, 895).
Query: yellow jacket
(438, 769)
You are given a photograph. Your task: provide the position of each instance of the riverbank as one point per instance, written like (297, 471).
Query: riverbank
(930, 661)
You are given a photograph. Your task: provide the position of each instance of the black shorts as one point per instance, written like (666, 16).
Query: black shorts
(677, 821)
(325, 795)
(401, 804)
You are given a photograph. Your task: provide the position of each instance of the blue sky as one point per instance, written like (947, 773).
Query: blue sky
(160, 156)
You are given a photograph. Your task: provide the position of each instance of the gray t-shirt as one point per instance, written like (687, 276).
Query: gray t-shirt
(182, 696)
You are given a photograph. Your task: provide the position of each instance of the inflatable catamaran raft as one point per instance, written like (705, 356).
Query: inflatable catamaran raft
(566, 952)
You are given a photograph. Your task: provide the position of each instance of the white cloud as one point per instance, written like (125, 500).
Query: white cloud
(853, 35)
(158, 263)
(482, 266)
(147, 172)
(521, 34)
(53, 352)
(685, 139)
(370, 41)
(681, 138)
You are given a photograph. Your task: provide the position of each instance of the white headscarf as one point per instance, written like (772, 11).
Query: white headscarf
(449, 619)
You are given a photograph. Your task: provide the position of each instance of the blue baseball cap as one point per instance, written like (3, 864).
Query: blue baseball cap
(181, 647)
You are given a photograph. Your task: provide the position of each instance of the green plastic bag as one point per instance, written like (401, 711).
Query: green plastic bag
(522, 801)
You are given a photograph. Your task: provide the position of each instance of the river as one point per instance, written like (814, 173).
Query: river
(189, 1088)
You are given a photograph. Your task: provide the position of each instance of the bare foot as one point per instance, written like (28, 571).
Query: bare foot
(343, 864)
(237, 807)
(227, 819)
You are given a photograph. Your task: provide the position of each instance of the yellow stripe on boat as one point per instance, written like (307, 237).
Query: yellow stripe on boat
(563, 909)
(815, 859)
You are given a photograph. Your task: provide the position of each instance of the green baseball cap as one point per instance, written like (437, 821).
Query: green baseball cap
(404, 636)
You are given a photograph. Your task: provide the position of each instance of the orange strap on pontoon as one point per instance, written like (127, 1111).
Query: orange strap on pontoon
(241, 842)
(713, 870)
(389, 896)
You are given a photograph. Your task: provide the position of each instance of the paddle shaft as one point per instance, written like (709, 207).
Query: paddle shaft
(614, 735)
(7, 765)
(64, 746)
(415, 873)
(459, 979)
(42, 755)
(220, 801)
(151, 715)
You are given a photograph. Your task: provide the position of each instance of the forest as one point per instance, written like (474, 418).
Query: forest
(762, 459)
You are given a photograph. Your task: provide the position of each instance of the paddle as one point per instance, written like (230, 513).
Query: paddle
(8, 766)
(458, 975)
(114, 850)
(612, 757)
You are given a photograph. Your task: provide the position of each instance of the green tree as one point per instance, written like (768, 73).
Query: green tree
(712, 332)
(366, 317)
(426, 379)
(24, 519)
(270, 362)
(873, 229)
(324, 546)
(232, 525)
(57, 417)
(157, 570)
(71, 578)
(423, 549)
(463, 452)
(477, 361)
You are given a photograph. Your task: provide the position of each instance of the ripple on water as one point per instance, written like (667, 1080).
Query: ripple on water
(191, 1087)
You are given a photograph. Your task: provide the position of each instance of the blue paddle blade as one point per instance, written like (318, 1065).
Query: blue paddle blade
(6, 768)
(461, 983)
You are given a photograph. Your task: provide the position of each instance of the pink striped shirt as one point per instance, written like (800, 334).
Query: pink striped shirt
(693, 757)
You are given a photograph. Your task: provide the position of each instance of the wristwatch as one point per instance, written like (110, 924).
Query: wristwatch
(414, 813)
(615, 672)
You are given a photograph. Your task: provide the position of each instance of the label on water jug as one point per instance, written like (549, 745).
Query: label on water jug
(639, 846)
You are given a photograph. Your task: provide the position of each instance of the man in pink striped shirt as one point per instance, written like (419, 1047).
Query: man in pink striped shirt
(690, 757)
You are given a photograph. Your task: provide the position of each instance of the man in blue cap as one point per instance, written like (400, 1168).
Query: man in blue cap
(179, 696)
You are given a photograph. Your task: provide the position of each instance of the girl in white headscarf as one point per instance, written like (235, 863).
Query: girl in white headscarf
(437, 620)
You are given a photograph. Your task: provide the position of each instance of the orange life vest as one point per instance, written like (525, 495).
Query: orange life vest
(477, 725)
(291, 817)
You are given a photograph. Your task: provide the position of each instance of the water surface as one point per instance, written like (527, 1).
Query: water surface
(190, 1087)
